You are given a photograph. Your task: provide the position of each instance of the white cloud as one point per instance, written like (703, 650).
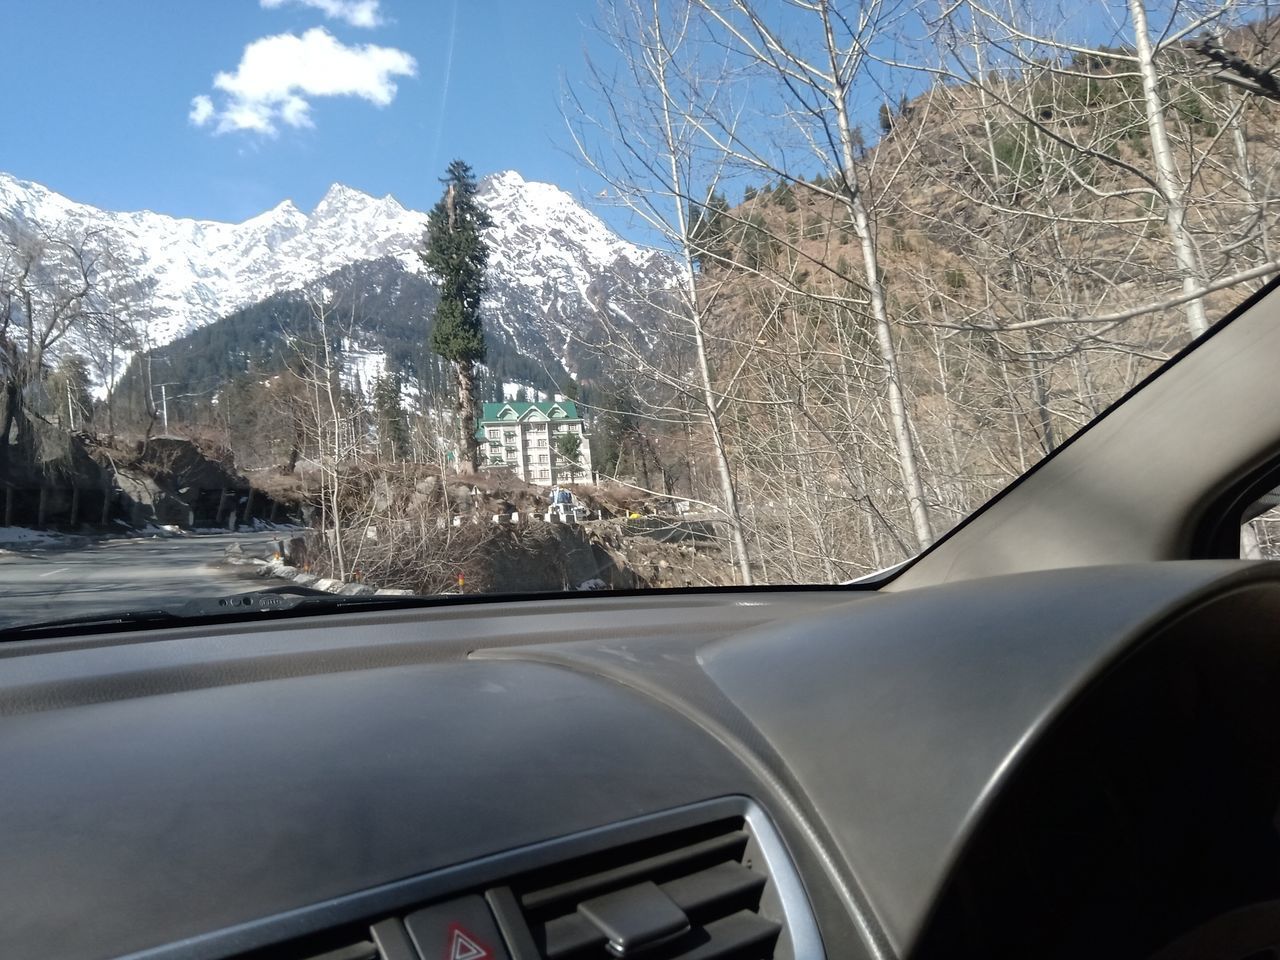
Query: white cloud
(279, 76)
(201, 110)
(358, 13)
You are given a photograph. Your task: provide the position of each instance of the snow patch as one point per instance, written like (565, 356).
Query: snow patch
(361, 367)
(26, 537)
(511, 388)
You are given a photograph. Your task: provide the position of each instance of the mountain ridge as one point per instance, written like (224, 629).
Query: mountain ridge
(555, 266)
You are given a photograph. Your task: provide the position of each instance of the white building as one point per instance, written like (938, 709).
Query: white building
(527, 439)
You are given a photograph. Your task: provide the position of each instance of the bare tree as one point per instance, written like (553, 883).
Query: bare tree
(327, 420)
(124, 309)
(810, 73)
(46, 286)
(651, 160)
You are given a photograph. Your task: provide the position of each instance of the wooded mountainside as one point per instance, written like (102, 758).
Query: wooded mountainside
(221, 375)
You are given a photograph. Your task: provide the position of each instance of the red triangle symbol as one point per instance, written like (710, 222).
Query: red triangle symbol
(464, 946)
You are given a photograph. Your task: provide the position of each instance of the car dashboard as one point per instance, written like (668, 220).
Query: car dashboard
(1063, 763)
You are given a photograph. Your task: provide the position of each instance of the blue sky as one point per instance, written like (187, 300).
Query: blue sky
(221, 109)
(108, 93)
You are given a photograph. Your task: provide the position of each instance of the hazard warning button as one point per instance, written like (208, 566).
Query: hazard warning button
(461, 929)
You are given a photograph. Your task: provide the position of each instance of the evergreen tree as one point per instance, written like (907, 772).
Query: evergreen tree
(456, 253)
(709, 231)
(393, 432)
(614, 425)
(785, 197)
(860, 143)
(568, 448)
(756, 248)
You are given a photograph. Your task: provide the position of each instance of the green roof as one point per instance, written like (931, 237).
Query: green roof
(514, 411)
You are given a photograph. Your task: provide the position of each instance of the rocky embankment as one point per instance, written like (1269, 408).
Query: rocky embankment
(74, 482)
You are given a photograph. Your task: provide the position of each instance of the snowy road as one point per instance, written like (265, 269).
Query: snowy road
(45, 583)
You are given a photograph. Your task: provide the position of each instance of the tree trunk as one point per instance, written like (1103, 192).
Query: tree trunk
(12, 397)
(468, 419)
(695, 319)
(723, 467)
(899, 419)
(1240, 144)
(1175, 210)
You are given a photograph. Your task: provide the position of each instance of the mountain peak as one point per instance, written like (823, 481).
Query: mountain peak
(285, 208)
(391, 206)
(340, 197)
(284, 219)
(503, 178)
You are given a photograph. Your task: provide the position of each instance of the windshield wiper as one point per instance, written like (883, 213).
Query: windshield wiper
(273, 600)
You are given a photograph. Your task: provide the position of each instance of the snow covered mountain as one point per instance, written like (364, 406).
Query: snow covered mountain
(556, 270)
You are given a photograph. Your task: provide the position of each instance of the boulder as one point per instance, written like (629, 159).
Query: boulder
(295, 551)
(460, 494)
(148, 502)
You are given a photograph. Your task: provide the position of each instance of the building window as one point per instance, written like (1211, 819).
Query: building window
(542, 458)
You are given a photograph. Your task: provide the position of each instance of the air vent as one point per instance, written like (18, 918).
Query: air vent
(360, 950)
(698, 894)
(345, 943)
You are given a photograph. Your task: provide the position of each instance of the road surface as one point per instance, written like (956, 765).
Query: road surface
(46, 583)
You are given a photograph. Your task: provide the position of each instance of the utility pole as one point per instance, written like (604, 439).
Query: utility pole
(164, 403)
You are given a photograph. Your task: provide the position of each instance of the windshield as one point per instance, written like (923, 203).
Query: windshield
(449, 298)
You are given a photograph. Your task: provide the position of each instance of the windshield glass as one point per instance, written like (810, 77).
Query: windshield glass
(449, 298)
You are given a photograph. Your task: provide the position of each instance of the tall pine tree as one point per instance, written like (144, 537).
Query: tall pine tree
(393, 432)
(456, 254)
